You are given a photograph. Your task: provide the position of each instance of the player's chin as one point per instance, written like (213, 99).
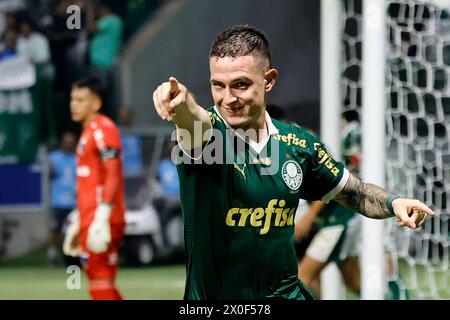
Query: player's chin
(238, 121)
(74, 117)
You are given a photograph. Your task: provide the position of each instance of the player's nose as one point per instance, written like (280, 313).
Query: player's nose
(229, 98)
(73, 108)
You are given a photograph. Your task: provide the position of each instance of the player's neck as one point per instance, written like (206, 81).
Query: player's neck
(261, 128)
(263, 132)
(90, 118)
(258, 131)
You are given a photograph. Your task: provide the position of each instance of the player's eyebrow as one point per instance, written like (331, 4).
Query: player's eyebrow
(241, 79)
(234, 81)
(213, 81)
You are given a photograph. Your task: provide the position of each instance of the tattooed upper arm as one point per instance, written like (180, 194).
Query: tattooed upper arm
(366, 198)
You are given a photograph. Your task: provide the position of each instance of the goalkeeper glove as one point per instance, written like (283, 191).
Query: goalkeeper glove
(71, 245)
(99, 234)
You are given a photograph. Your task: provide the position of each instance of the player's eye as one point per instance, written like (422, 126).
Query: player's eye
(217, 85)
(241, 85)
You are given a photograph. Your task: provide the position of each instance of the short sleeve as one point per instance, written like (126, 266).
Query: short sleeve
(325, 176)
(53, 159)
(107, 140)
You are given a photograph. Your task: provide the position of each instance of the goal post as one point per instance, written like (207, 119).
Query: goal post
(415, 126)
(373, 142)
(333, 24)
(332, 287)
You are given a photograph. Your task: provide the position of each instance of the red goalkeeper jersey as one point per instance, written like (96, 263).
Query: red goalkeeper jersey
(98, 157)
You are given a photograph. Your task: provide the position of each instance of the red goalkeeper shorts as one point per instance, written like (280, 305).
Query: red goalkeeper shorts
(102, 265)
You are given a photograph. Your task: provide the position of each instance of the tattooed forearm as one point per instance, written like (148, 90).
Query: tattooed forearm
(368, 199)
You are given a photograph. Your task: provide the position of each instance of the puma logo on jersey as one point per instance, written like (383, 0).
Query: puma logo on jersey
(239, 169)
(262, 217)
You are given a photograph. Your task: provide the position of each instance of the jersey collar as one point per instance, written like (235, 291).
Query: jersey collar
(257, 146)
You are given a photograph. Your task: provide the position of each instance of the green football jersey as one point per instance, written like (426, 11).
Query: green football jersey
(239, 213)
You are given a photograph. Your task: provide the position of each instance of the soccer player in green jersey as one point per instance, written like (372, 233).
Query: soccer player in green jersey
(239, 210)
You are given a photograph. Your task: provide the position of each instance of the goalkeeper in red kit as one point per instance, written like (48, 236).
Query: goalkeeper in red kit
(100, 192)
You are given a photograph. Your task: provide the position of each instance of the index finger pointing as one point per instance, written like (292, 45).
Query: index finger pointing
(425, 209)
(174, 89)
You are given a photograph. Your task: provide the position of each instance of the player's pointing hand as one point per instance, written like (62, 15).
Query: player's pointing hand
(174, 88)
(411, 213)
(168, 97)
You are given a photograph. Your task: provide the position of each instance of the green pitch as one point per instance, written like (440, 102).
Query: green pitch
(162, 282)
(30, 277)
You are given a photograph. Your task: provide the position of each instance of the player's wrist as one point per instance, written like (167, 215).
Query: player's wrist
(390, 200)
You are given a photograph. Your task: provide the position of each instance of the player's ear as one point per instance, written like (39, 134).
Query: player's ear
(97, 104)
(270, 77)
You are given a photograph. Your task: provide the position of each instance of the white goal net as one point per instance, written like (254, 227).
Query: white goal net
(417, 134)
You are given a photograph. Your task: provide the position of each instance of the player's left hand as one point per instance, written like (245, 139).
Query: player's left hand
(99, 233)
(411, 213)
